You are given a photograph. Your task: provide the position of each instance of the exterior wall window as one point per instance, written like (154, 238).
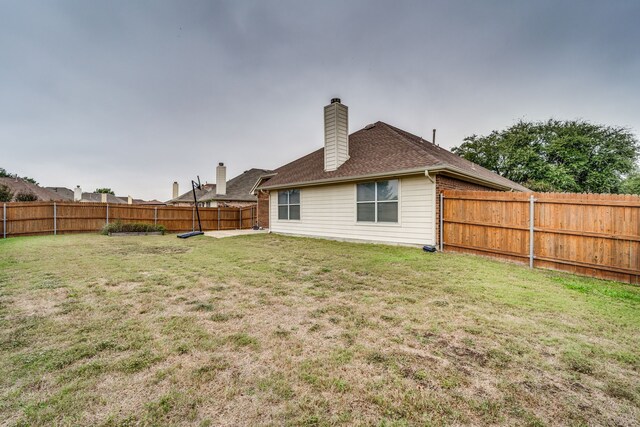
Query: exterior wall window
(289, 204)
(377, 201)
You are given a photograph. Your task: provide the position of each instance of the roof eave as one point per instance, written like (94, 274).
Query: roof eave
(338, 180)
(255, 187)
(470, 178)
(432, 169)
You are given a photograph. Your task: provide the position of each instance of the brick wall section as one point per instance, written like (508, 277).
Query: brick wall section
(444, 182)
(263, 209)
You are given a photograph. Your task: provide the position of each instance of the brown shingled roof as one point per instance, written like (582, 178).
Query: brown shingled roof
(381, 149)
(238, 189)
(18, 185)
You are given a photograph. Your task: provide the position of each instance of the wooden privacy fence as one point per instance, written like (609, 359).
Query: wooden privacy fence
(590, 234)
(33, 218)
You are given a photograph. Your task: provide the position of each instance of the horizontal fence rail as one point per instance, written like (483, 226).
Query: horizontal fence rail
(38, 218)
(595, 235)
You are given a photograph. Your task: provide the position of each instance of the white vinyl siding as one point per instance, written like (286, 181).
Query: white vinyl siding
(330, 211)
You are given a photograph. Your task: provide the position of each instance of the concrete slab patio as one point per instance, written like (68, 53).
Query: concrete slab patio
(219, 234)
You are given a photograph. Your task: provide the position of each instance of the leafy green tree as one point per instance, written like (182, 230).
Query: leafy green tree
(26, 197)
(631, 185)
(5, 193)
(570, 156)
(31, 180)
(105, 190)
(4, 173)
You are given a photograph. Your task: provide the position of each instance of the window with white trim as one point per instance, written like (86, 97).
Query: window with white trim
(289, 204)
(377, 201)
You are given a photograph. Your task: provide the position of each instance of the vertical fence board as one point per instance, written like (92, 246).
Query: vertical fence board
(33, 218)
(589, 234)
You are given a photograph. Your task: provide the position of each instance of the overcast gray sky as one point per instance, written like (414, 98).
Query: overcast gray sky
(133, 95)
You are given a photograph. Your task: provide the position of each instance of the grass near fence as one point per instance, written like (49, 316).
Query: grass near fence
(272, 330)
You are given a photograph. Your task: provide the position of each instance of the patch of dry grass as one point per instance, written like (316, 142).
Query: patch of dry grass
(272, 330)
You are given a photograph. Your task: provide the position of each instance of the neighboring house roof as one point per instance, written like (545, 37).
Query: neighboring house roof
(18, 185)
(125, 199)
(188, 196)
(148, 202)
(64, 192)
(239, 189)
(97, 198)
(383, 150)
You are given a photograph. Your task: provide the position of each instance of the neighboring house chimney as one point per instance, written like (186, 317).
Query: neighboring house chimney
(221, 179)
(77, 194)
(336, 135)
(129, 200)
(176, 193)
(103, 197)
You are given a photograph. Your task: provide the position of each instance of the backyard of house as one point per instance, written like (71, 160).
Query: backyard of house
(275, 330)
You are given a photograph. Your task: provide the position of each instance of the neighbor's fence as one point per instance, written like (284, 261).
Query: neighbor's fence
(34, 218)
(590, 234)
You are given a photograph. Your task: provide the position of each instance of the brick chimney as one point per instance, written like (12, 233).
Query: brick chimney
(336, 135)
(129, 200)
(221, 179)
(103, 197)
(77, 194)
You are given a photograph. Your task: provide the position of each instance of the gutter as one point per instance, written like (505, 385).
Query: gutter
(452, 170)
(260, 178)
(339, 180)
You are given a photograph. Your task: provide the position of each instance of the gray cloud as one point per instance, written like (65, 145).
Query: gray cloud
(135, 95)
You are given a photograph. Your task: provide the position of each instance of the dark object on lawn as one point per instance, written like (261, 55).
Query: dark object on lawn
(194, 185)
(189, 234)
(429, 248)
(255, 227)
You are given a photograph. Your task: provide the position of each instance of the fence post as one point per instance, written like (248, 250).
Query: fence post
(193, 219)
(155, 216)
(55, 223)
(107, 213)
(239, 218)
(531, 210)
(441, 221)
(4, 220)
(218, 217)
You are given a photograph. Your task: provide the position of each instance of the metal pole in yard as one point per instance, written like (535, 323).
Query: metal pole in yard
(55, 223)
(531, 210)
(155, 216)
(441, 221)
(4, 220)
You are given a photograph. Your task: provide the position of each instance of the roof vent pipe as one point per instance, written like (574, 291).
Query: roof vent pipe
(434, 137)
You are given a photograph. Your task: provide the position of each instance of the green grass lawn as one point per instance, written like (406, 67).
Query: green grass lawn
(275, 330)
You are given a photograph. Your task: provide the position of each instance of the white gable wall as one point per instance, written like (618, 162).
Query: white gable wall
(330, 211)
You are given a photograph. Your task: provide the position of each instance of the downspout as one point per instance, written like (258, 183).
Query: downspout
(429, 177)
